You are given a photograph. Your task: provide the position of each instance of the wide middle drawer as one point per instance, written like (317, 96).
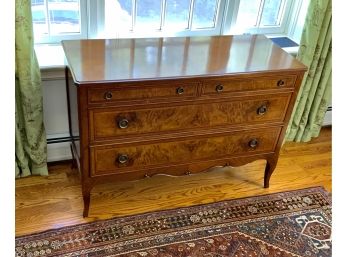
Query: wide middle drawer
(106, 123)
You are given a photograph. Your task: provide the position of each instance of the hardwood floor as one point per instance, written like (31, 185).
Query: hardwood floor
(50, 202)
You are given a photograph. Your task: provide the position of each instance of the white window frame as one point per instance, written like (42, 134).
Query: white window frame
(299, 8)
(92, 19)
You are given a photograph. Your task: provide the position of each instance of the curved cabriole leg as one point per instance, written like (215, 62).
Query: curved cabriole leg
(270, 166)
(86, 193)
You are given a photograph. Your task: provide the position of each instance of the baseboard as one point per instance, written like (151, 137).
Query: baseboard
(328, 118)
(58, 152)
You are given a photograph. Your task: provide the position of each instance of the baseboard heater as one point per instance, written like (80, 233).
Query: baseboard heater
(62, 139)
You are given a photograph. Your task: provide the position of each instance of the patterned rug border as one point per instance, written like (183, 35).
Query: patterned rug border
(184, 241)
(165, 211)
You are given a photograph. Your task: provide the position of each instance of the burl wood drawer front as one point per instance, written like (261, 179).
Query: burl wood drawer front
(108, 123)
(225, 85)
(141, 91)
(113, 159)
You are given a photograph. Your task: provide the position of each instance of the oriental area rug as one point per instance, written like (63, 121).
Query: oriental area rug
(293, 223)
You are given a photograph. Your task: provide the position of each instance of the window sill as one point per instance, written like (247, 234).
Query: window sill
(51, 61)
(50, 56)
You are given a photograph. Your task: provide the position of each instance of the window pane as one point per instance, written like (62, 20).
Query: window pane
(271, 11)
(64, 16)
(177, 14)
(204, 14)
(38, 11)
(247, 13)
(118, 16)
(148, 15)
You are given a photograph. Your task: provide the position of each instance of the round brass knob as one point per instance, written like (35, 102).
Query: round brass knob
(123, 158)
(180, 90)
(123, 123)
(253, 143)
(108, 95)
(262, 110)
(280, 83)
(146, 175)
(219, 88)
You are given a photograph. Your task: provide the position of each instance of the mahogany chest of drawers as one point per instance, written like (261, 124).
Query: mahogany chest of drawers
(140, 107)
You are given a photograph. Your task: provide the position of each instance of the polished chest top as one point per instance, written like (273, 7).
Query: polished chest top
(162, 58)
(176, 106)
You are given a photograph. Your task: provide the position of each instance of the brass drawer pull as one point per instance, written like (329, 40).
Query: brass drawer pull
(180, 90)
(262, 110)
(107, 95)
(280, 83)
(219, 88)
(253, 143)
(122, 158)
(123, 123)
(188, 172)
(146, 175)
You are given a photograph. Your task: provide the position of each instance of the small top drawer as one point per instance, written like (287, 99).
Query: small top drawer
(126, 92)
(228, 85)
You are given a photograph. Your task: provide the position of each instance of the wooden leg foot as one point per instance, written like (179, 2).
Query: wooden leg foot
(270, 166)
(86, 201)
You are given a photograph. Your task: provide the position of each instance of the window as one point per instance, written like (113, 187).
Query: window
(161, 18)
(55, 20)
(261, 15)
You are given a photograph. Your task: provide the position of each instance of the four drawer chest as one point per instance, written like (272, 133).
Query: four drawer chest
(176, 106)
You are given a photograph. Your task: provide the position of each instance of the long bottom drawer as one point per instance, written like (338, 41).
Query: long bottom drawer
(120, 159)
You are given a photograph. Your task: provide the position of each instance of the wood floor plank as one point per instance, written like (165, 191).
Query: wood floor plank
(55, 201)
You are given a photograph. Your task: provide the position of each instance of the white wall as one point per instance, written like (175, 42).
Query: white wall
(55, 114)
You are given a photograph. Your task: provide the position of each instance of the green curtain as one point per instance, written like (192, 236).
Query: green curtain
(30, 136)
(315, 93)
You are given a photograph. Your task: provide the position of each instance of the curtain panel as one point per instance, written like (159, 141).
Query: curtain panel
(315, 93)
(30, 135)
